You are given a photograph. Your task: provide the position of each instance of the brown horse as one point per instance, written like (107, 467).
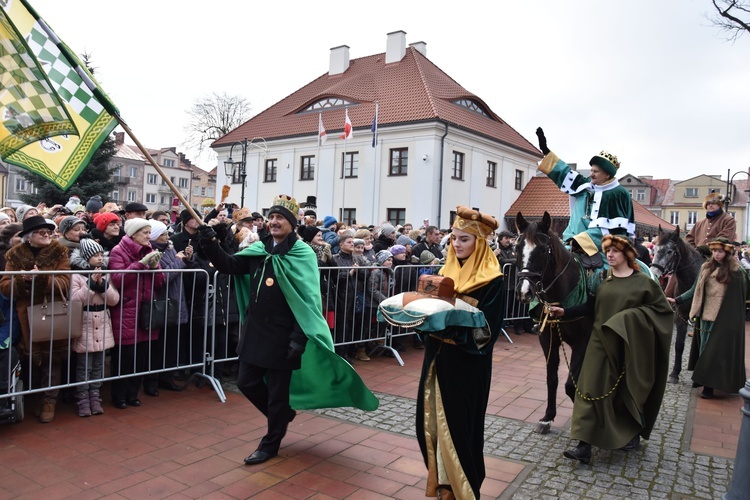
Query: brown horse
(551, 274)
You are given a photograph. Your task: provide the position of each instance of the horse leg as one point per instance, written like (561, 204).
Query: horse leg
(679, 348)
(551, 348)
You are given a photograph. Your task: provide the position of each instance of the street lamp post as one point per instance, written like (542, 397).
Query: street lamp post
(740, 483)
(730, 195)
(230, 166)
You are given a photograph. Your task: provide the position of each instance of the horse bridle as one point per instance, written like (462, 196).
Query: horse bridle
(535, 278)
(671, 265)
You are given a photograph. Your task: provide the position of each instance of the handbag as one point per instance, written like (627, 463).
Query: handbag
(157, 313)
(55, 319)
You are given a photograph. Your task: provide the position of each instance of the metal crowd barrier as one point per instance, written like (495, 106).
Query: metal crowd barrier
(50, 366)
(206, 343)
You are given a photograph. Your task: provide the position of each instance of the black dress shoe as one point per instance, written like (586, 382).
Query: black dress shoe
(292, 414)
(582, 453)
(170, 386)
(708, 393)
(258, 457)
(151, 391)
(632, 444)
(134, 402)
(120, 405)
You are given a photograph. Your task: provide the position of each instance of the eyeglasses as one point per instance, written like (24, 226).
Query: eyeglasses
(43, 232)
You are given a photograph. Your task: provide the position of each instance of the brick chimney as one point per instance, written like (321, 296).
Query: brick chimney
(119, 138)
(339, 61)
(395, 48)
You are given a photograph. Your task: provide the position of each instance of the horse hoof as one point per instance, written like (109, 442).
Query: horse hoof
(673, 378)
(542, 427)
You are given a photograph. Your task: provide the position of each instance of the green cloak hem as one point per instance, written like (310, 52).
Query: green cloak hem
(325, 379)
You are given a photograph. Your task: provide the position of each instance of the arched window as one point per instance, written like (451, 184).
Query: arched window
(472, 105)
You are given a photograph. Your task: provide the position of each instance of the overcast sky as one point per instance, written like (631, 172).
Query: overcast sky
(650, 81)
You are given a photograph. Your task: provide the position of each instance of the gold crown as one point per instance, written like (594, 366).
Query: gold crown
(287, 202)
(611, 158)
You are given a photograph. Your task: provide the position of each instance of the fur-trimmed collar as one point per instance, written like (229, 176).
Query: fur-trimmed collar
(22, 258)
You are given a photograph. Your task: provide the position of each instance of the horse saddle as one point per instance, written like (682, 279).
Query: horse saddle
(590, 261)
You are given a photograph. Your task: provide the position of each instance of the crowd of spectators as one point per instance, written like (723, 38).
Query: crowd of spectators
(360, 266)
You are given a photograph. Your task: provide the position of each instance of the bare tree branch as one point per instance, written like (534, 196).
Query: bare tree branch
(213, 116)
(733, 17)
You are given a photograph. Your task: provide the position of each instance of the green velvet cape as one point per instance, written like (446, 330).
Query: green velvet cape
(325, 380)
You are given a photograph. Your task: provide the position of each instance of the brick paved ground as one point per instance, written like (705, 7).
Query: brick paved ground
(188, 445)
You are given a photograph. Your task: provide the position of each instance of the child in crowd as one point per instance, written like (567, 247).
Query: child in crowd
(97, 295)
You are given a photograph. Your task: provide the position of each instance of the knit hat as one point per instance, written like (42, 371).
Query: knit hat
(387, 229)
(21, 211)
(607, 162)
(4, 216)
(358, 241)
(287, 207)
(713, 197)
(105, 219)
(89, 248)
(67, 224)
(397, 249)
(329, 220)
(94, 204)
(405, 240)
(382, 256)
(426, 257)
(132, 226)
(308, 233)
(157, 228)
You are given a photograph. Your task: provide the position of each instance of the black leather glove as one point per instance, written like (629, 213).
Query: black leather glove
(295, 350)
(542, 141)
(206, 232)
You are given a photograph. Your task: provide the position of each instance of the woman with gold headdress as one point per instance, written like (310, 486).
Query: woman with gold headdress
(624, 374)
(455, 383)
(717, 354)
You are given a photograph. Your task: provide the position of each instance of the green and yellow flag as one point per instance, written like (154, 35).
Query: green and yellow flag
(54, 115)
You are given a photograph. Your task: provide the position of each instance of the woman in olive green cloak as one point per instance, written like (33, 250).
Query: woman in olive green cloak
(624, 374)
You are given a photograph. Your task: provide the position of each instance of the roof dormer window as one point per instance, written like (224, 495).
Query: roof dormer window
(328, 103)
(472, 105)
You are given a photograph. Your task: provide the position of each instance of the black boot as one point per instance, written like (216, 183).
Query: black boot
(708, 393)
(582, 452)
(632, 444)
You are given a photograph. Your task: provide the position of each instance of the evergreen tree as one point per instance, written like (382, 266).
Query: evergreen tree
(96, 178)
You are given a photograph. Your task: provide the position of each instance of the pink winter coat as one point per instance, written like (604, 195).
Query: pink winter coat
(134, 288)
(97, 325)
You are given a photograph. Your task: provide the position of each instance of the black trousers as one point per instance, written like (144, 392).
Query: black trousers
(271, 398)
(127, 359)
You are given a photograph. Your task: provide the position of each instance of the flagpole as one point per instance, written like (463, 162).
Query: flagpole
(375, 195)
(343, 171)
(159, 171)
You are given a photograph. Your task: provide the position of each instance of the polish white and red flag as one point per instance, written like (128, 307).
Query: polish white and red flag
(321, 130)
(347, 134)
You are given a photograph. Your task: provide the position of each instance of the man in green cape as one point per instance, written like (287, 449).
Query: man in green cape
(286, 350)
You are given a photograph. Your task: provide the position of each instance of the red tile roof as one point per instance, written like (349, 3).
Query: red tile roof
(411, 90)
(542, 195)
